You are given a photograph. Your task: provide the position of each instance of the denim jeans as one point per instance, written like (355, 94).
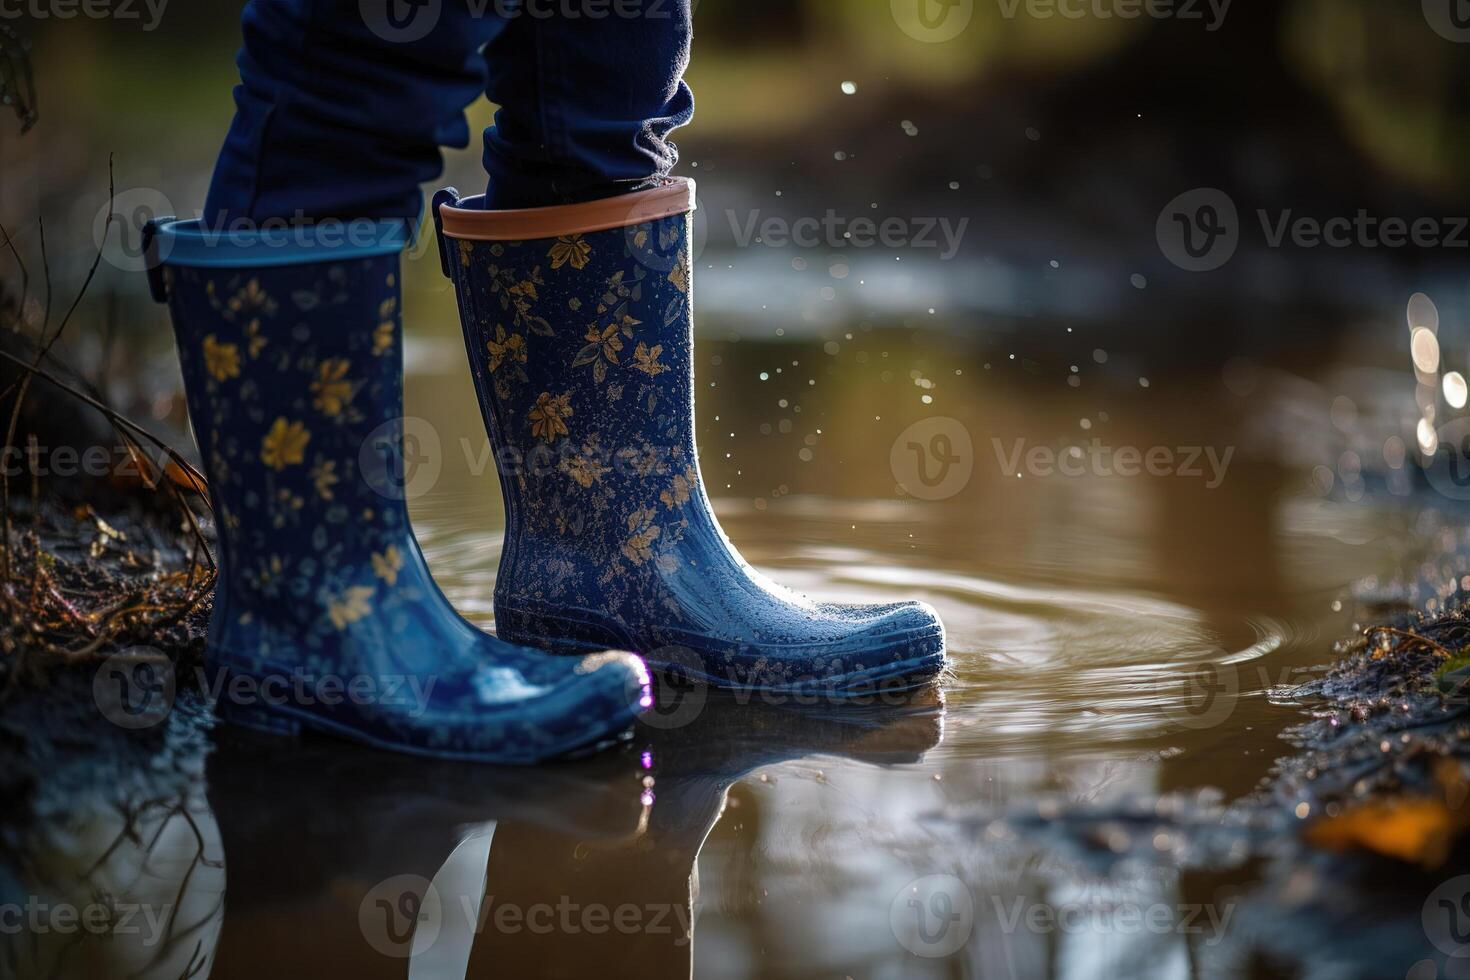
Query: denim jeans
(343, 105)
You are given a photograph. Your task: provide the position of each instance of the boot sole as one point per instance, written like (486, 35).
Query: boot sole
(291, 724)
(908, 674)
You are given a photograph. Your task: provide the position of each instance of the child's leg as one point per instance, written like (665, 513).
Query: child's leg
(337, 118)
(586, 102)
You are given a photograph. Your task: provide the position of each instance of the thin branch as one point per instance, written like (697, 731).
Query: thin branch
(46, 346)
(25, 275)
(1409, 635)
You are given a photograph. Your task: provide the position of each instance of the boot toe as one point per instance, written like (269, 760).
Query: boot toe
(893, 643)
(530, 707)
(617, 677)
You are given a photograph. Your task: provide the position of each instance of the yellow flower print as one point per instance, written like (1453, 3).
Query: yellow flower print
(679, 274)
(548, 416)
(255, 337)
(506, 347)
(351, 606)
(640, 237)
(324, 477)
(286, 505)
(517, 296)
(678, 492)
(466, 249)
(284, 444)
(643, 460)
(603, 345)
(584, 468)
(383, 335)
(639, 547)
(264, 576)
(571, 250)
(331, 391)
(221, 360)
(607, 341)
(387, 564)
(252, 299)
(646, 359)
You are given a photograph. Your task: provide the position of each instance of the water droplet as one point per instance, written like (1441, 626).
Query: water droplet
(1455, 390)
(1423, 313)
(1424, 349)
(1427, 437)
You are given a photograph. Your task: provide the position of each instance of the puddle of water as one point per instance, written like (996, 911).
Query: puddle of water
(1111, 635)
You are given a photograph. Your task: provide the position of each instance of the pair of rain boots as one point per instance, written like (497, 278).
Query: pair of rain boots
(577, 321)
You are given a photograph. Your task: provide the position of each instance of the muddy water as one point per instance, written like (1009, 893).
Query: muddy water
(1112, 634)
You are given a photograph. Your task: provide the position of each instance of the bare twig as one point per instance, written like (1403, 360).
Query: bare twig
(47, 344)
(1410, 635)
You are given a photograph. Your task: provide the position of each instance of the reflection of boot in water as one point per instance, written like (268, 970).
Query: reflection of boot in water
(555, 907)
(329, 848)
(730, 734)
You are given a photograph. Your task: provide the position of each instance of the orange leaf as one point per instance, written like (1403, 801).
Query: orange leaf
(1416, 830)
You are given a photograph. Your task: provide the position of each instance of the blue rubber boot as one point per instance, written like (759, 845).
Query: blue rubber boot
(577, 320)
(325, 615)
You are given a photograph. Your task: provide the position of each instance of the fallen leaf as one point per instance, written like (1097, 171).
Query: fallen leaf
(1413, 829)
